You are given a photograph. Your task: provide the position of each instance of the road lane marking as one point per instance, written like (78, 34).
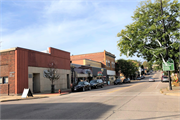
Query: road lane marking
(124, 88)
(157, 85)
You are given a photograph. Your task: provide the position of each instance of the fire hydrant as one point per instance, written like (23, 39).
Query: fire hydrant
(59, 91)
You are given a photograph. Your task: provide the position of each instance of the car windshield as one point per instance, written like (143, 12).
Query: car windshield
(93, 81)
(165, 77)
(81, 83)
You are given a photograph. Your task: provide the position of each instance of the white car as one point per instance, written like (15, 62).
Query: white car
(151, 80)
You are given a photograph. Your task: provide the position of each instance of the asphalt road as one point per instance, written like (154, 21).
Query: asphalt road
(136, 100)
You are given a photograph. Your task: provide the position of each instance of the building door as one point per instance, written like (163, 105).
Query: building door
(36, 82)
(68, 81)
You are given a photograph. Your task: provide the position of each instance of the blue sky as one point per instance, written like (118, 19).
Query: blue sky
(76, 26)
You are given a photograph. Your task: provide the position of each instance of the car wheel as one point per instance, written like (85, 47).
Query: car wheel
(83, 89)
(89, 88)
(96, 87)
(101, 86)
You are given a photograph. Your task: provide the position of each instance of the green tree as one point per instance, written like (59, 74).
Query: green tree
(154, 30)
(145, 64)
(127, 67)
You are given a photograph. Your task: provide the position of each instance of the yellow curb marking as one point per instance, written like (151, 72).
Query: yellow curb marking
(124, 88)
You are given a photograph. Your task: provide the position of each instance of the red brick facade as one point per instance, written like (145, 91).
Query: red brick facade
(14, 65)
(7, 69)
(99, 57)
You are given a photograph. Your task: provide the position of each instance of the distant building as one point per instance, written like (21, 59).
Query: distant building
(106, 59)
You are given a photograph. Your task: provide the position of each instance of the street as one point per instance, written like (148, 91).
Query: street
(136, 100)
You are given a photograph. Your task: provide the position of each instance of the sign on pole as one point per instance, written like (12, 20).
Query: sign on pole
(26, 92)
(169, 66)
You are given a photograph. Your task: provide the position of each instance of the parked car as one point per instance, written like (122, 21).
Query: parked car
(117, 81)
(151, 80)
(82, 86)
(138, 78)
(142, 77)
(127, 80)
(97, 83)
(164, 79)
(148, 73)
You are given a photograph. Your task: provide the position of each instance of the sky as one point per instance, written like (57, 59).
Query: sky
(76, 26)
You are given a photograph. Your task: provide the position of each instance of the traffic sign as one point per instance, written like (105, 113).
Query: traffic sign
(169, 66)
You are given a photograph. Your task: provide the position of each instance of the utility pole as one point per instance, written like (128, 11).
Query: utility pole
(165, 40)
(179, 61)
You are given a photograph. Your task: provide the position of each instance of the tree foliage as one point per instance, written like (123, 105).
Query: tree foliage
(147, 64)
(127, 67)
(154, 29)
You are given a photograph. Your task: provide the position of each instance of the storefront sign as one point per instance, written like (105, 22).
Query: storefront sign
(11, 74)
(111, 72)
(26, 92)
(99, 73)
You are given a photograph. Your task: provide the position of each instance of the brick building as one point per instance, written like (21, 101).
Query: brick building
(23, 68)
(106, 59)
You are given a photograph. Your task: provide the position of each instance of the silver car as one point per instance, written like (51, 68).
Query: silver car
(151, 80)
(164, 79)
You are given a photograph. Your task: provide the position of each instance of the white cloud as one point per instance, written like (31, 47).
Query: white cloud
(63, 6)
(100, 23)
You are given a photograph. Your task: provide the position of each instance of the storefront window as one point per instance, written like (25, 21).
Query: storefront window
(5, 80)
(1, 80)
(113, 65)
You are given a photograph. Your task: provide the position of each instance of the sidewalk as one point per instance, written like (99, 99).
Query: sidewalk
(5, 98)
(174, 92)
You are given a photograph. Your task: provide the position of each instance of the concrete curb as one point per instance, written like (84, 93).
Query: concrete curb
(65, 94)
(24, 99)
(170, 94)
(28, 98)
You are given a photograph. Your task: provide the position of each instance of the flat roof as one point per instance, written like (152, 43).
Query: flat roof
(10, 49)
(86, 54)
(97, 52)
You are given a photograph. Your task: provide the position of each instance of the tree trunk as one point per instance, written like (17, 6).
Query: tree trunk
(52, 88)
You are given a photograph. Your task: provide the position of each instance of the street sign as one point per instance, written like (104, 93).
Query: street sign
(169, 66)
